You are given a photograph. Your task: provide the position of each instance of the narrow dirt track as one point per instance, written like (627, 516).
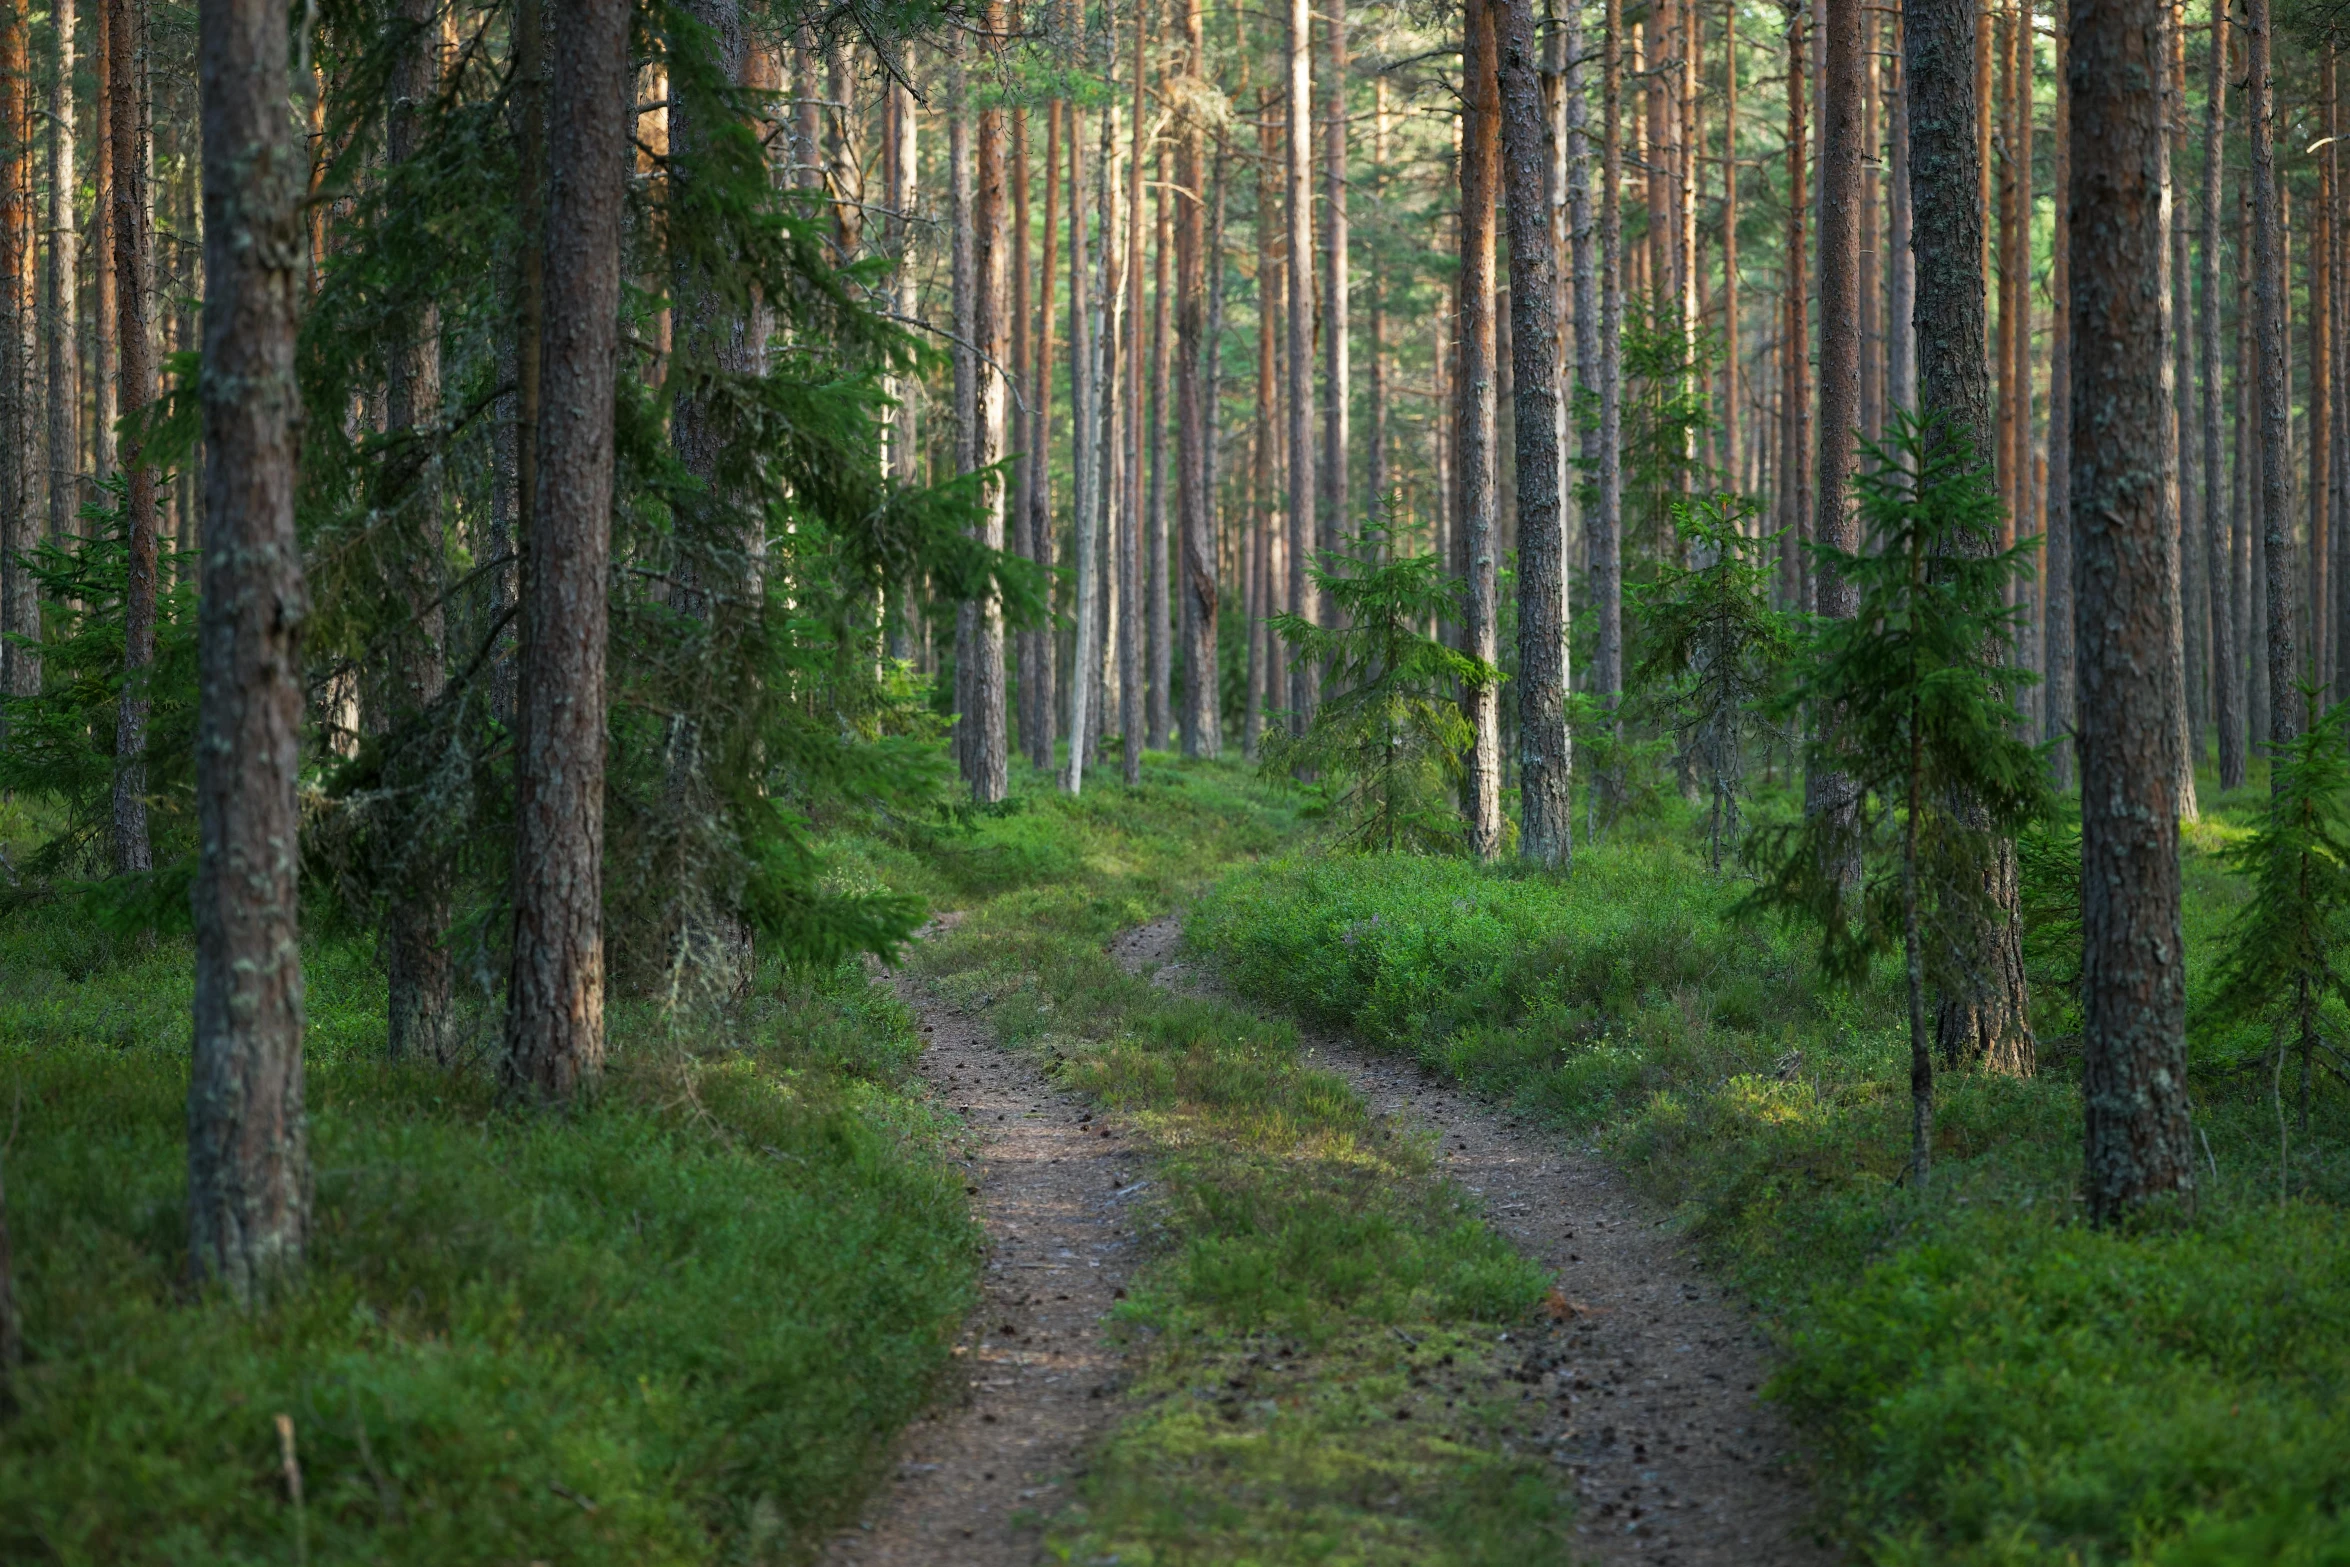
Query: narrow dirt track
(976, 1478)
(1653, 1376)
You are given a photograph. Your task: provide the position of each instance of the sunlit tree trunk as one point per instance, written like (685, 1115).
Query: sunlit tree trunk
(1478, 441)
(991, 328)
(1038, 670)
(1305, 678)
(2057, 716)
(1158, 659)
(1607, 544)
(1195, 428)
(1135, 608)
(1795, 342)
(2177, 470)
(555, 996)
(1337, 340)
(20, 604)
(1733, 452)
(65, 382)
(1085, 412)
(2134, 1076)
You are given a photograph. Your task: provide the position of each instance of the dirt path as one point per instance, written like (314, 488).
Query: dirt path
(1654, 1375)
(977, 1478)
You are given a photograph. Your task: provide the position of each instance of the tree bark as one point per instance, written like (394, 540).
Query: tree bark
(20, 604)
(2194, 614)
(1085, 459)
(1305, 677)
(1901, 378)
(105, 371)
(1795, 342)
(2319, 408)
(248, 1142)
(1337, 337)
(900, 162)
(132, 852)
(1840, 325)
(1195, 507)
(1027, 464)
(1607, 546)
(555, 998)
(1733, 427)
(1266, 682)
(992, 331)
(1546, 806)
(1584, 261)
(1478, 441)
(1987, 1022)
(2057, 715)
(2226, 645)
(2269, 284)
(65, 385)
(1043, 643)
(417, 968)
(1132, 703)
(1158, 650)
(2175, 414)
(2134, 1079)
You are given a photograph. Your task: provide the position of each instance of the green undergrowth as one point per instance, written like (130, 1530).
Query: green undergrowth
(679, 1326)
(1985, 1379)
(1318, 1341)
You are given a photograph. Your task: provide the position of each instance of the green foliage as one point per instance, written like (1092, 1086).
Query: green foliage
(1712, 650)
(60, 739)
(1912, 700)
(1387, 741)
(2278, 961)
(703, 1304)
(1984, 1380)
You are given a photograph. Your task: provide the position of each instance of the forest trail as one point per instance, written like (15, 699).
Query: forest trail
(1675, 1458)
(975, 1479)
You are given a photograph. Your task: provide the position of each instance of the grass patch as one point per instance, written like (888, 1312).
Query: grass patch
(1313, 1277)
(1986, 1379)
(679, 1326)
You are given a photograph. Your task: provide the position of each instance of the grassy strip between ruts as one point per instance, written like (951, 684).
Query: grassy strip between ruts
(682, 1325)
(1988, 1380)
(1321, 1369)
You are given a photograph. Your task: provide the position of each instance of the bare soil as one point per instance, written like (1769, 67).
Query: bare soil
(977, 1477)
(1651, 1368)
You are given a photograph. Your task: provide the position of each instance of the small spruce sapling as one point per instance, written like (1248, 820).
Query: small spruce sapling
(1712, 650)
(1388, 739)
(2281, 957)
(1917, 705)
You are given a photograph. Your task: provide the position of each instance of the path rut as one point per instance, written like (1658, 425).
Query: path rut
(977, 1477)
(1675, 1459)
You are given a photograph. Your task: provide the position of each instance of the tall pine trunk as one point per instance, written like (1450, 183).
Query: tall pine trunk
(1158, 653)
(2057, 715)
(1479, 440)
(65, 384)
(555, 995)
(414, 661)
(1607, 544)
(20, 604)
(1085, 460)
(125, 30)
(1037, 683)
(1305, 682)
(1546, 806)
(2177, 469)
(248, 1142)
(992, 331)
(1133, 608)
(2269, 289)
(2134, 1075)
(2227, 689)
(1195, 511)
(1987, 1021)
(1337, 340)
